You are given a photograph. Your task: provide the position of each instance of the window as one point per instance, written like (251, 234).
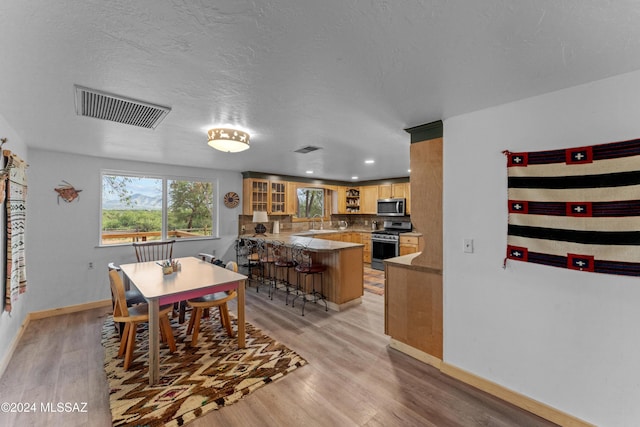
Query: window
(142, 208)
(310, 203)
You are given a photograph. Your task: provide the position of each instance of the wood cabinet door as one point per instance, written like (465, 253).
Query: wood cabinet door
(408, 249)
(399, 191)
(384, 191)
(292, 198)
(277, 198)
(342, 200)
(255, 196)
(369, 199)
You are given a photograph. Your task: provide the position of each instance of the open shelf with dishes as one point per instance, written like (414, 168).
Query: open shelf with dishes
(353, 200)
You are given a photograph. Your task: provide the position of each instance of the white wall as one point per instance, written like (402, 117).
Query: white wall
(10, 322)
(568, 339)
(63, 237)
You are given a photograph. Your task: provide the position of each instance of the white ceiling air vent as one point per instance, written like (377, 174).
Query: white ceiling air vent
(307, 149)
(106, 106)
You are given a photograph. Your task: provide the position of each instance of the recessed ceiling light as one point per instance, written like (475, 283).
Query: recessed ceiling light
(354, 177)
(369, 162)
(309, 171)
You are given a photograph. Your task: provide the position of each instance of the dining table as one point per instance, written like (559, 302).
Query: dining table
(193, 279)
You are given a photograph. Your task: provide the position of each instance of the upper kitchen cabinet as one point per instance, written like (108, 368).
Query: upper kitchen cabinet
(352, 200)
(368, 199)
(264, 195)
(393, 191)
(398, 190)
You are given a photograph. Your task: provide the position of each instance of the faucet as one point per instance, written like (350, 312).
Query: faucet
(313, 222)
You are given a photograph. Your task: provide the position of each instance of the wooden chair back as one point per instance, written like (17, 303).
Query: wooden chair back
(117, 291)
(153, 251)
(232, 265)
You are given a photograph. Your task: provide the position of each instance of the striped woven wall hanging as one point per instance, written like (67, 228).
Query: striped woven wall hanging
(576, 208)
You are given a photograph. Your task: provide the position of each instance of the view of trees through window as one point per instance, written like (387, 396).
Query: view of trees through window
(310, 202)
(133, 206)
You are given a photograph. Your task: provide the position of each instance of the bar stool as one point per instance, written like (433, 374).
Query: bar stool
(283, 263)
(266, 260)
(305, 267)
(247, 256)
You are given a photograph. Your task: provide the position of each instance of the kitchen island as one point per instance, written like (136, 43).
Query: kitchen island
(343, 280)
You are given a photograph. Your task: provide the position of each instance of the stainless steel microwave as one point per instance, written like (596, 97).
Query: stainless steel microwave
(392, 207)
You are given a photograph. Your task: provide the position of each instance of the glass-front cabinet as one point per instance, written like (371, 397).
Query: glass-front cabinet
(265, 195)
(278, 198)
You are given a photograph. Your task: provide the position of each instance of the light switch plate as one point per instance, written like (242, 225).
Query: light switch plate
(468, 246)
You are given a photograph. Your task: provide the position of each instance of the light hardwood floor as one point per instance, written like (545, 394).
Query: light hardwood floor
(353, 378)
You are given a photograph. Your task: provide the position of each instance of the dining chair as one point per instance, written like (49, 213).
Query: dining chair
(154, 250)
(157, 251)
(132, 316)
(218, 299)
(132, 296)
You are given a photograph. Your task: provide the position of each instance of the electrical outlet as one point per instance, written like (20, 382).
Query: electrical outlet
(90, 265)
(468, 246)
(242, 229)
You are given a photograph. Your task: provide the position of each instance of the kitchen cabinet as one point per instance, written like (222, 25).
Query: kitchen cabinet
(352, 199)
(292, 198)
(398, 190)
(265, 195)
(365, 239)
(369, 199)
(409, 244)
(413, 309)
(351, 237)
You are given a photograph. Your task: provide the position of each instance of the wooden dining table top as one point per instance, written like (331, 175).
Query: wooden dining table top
(194, 274)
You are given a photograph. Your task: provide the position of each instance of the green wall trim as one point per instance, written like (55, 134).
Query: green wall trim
(273, 177)
(425, 132)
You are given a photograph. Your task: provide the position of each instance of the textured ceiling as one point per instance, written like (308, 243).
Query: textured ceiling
(344, 75)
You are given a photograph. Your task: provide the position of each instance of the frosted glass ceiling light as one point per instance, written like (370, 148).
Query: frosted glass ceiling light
(228, 140)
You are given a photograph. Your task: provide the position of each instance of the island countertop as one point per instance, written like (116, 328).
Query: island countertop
(310, 242)
(343, 282)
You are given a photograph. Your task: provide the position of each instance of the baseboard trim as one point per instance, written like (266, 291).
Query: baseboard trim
(35, 315)
(542, 410)
(415, 353)
(521, 401)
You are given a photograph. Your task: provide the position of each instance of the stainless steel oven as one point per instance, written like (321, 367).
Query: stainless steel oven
(385, 243)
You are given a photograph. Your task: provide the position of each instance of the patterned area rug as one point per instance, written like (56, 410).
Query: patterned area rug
(193, 381)
(374, 281)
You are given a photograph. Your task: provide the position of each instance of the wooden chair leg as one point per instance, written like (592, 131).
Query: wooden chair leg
(163, 336)
(131, 344)
(182, 309)
(191, 319)
(165, 327)
(226, 320)
(123, 340)
(196, 325)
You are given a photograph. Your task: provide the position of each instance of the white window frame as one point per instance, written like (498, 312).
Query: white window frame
(215, 214)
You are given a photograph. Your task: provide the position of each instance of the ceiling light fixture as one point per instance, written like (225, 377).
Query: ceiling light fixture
(309, 172)
(228, 140)
(369, 162)
(354, 177)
